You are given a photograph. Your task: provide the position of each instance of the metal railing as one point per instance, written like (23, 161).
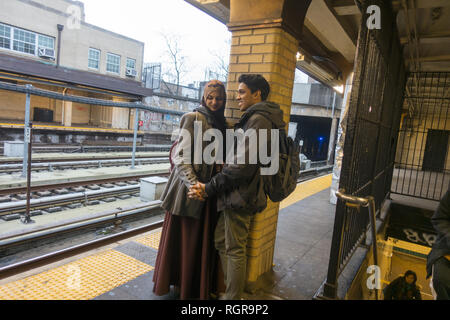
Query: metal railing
(29, 90)
(421, 170)
(369, 202)
(373, 119)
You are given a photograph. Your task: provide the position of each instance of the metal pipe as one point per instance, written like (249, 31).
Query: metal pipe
(63, 107)
(370, 203)
(75, 163)
(136, 119)
(373, 228)
(27, 218)
(86, 100)
(352, 199)
(26, 131)
(60, 29)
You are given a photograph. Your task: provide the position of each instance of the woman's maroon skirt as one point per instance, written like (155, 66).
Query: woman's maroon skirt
(186, 255)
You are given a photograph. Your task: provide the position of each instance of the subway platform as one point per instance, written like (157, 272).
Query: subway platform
(124, 270)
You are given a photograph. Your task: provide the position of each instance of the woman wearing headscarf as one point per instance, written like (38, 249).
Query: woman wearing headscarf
(186, 256)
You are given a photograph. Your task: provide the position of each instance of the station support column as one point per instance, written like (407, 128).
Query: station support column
(264, 41)
(120, 116)
(67, 120)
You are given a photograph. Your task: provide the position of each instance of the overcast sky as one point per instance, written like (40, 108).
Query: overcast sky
(144, 20)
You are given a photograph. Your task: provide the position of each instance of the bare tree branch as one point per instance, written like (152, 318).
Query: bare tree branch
(176, 56)
(221, 62)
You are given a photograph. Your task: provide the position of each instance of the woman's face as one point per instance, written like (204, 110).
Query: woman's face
(214, 101)
(409, 279)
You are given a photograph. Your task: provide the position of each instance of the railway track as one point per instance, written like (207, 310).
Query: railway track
(90, 233)
(77, 198)
(314, 172)
(85, 149)
(59, 165)
(87, 192)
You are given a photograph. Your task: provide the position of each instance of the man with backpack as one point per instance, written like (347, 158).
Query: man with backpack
(241, 189)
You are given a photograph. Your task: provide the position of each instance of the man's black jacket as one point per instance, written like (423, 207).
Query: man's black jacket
(441, 222)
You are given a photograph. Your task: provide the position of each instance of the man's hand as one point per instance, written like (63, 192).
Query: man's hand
(197, 192)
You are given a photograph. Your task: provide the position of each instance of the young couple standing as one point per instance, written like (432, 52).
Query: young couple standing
(210, 207)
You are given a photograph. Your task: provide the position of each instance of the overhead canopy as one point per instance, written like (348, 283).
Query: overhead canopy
(330, 34)
(27, 67)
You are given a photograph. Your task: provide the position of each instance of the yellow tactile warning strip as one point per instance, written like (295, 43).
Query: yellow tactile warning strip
(84, 279)
(150, 240)
(306, 189)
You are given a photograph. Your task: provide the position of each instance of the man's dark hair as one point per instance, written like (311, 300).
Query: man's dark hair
(256, 82)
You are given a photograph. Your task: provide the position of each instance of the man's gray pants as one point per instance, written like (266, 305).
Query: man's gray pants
(231, 241)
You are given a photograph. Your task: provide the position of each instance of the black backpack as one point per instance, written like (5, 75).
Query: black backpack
(280, 185)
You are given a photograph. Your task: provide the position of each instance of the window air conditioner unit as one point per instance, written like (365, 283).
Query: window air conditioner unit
(131, 72)
(46, 53)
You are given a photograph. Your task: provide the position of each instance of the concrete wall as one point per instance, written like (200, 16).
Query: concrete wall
(61, 5)
(413, 138)
(75, 43)
(313, 111)
(315, 94)
(301, 92)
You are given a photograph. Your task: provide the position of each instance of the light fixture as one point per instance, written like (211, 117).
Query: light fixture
(339, 89)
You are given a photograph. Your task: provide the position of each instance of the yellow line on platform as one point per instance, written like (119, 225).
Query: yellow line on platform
(306, 189)
(84, 279)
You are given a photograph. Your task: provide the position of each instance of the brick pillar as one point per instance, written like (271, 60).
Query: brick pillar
(271, 52)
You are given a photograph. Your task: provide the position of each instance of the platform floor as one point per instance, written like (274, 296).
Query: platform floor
(124, 271)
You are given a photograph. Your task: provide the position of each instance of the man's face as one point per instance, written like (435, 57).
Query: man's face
(246, 98)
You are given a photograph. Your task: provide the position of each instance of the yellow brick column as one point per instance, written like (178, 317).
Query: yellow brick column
(271, 52)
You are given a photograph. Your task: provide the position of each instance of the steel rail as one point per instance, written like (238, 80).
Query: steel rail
(145, 206)
(365, 202)
(76, 196)
(86, 100)
(82, 183)
(16, 160)
(95, 163)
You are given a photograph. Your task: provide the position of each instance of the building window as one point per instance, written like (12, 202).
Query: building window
(24, 41)
(131, 63)
(94, 58)
(113, 63)
(46, 42)
(5, 36)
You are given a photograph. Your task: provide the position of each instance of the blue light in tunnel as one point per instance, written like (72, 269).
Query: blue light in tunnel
(321, 138)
